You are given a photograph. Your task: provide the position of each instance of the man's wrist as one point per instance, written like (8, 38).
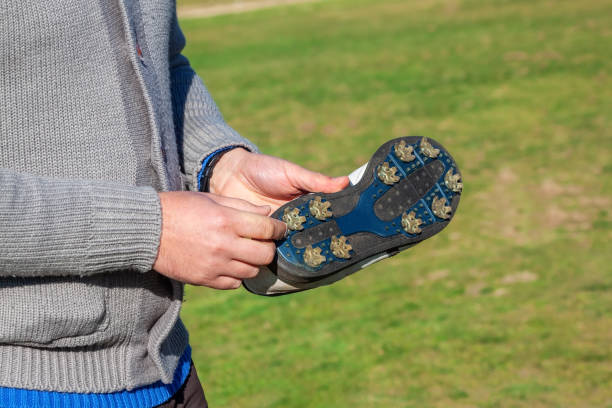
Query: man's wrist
(227, 167)
(208, 165)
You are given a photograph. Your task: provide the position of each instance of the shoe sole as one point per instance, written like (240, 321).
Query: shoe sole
(409, 192)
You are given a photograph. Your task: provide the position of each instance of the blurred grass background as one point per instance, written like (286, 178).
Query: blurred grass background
(203, 3)
(510, 306)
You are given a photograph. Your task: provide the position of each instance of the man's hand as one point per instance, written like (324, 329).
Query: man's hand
(214, 241)
(262, 179)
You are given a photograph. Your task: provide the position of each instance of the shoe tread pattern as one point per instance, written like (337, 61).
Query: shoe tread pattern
(369, 213)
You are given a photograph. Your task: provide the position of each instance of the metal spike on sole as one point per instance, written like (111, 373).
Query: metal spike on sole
(453, 181)
(427, 149)
(411, 223)
(319, 209)
(313, 257)
(404, 152)
(387, 174)
(293, 219)
(340, 248)
(440, 209)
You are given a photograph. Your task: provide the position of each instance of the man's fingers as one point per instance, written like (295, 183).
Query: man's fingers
(336, 184)
(225, 283)
(259, 227)
(311, 181)
(253, 251)
(241, 270)
(241, 205)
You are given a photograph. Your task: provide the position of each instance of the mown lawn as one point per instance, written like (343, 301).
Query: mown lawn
(511, 306)
(205, 3)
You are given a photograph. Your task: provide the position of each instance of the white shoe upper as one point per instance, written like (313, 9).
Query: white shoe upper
(357, 174)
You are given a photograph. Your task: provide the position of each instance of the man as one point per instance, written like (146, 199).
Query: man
(102, 124)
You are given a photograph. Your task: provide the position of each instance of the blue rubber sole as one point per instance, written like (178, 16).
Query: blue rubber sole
(409, 191)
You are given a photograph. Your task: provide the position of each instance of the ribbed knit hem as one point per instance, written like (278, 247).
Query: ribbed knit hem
(75, 227)
(144, 397)
(169, 335)
(125, 229)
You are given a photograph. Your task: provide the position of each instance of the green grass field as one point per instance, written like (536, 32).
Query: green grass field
(511, 305)
(206, 3)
